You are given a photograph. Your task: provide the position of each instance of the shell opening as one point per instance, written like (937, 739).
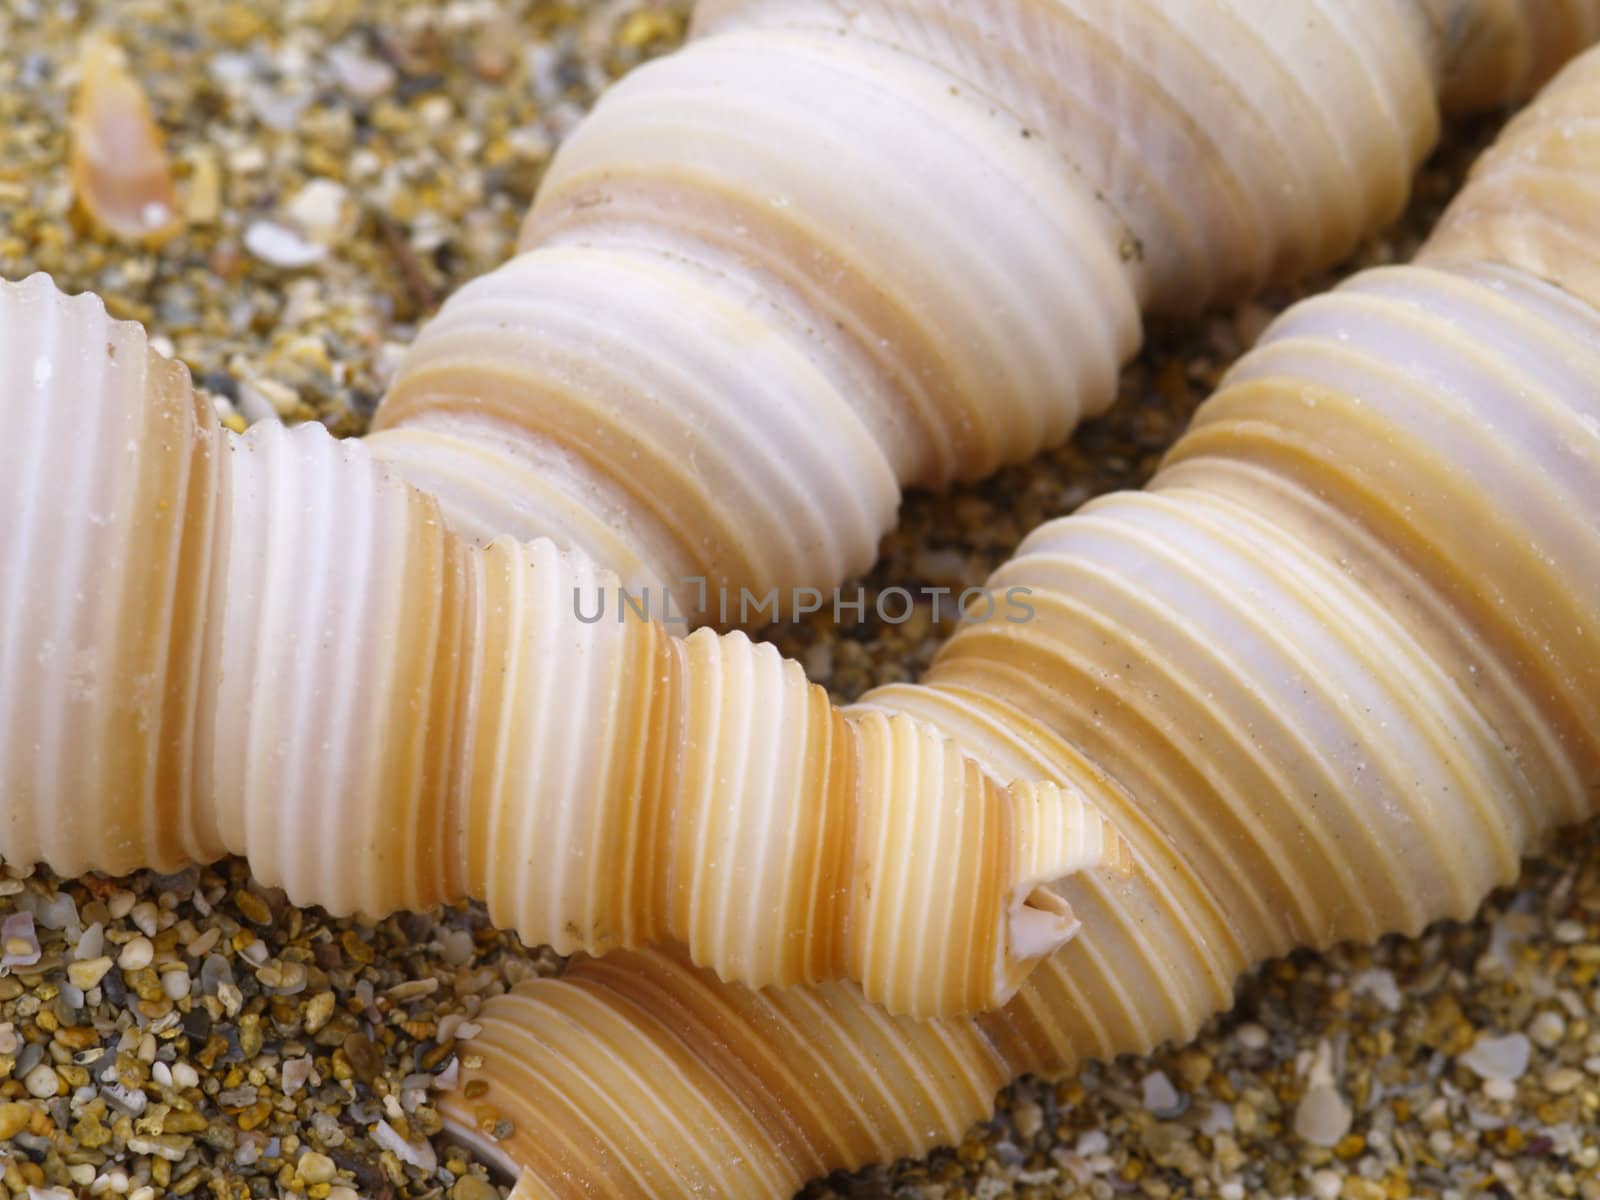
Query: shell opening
(1041, 922)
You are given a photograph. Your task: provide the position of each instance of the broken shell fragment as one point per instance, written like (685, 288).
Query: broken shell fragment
(121, 174)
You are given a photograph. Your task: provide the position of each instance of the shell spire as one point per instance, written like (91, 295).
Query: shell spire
(379, 716)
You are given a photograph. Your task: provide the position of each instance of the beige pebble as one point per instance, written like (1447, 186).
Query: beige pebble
(1562, 1080)
(1500, 1089)
(88, 973)
(43, 1082)
(202, 945)
(14, 1118)
(203, 200)
(176, 984)
(136, 954)
(316, 1168)
(1028, 1117)
(319, 1010)
(1547, 1029)
(470, 1187)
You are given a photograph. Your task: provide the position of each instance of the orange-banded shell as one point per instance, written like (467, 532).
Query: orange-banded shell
(1330, 675)
(271, 646)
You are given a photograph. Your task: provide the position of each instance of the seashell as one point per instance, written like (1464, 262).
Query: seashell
(120, 171)
(752, 307)
(380, 716)
(1331, 674)
(1532, 194)
(753, 302)
(923, 381)
(1489, 52)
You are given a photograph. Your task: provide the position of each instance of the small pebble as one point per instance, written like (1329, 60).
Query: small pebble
(14, 1118)
(316, 1168)
(1251, 1036)
(1323, 1116)
(1380, 985)
(320, 1008)
(1160, 1097)
(42, 1082)
(1547, 1029)
(18, 941)
(88, 973)
(253, 907)
(281, 246)
(318, 210)
(1504, 1090)
(470, 1187)
(417, 1154)
(92, 942)
(1028, 1117)
(1562, 1080)
(138, 953)
(295, 1073)
(176, 984)
(360, 75)
(1502, 1058)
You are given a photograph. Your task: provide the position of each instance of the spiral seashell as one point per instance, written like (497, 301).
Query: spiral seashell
(831, 250)
(696, 1066)
(1534, 193)
(120, 171)
(268, 646)
(1331, 674)
(1489, 52)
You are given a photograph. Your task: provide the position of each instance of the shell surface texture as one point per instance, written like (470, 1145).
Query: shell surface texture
(1328, 676)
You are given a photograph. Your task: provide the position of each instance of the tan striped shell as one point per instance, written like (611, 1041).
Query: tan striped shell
(1152, 967)
(1331, 674)
(268, 646)
(831, 250)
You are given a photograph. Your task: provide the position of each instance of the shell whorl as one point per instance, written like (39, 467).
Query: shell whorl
(1147, 972)
(1532, 196)
(1490, 52)
(271, 646)
(752, 304)
(1330, 675)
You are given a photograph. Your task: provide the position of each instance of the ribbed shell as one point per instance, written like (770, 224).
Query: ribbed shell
(1325, 683)
(1331, 675)
(270, 646)
(1491, 52)
(831, 250)
(1232, 142)
(1534, 194)
(112, 478)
